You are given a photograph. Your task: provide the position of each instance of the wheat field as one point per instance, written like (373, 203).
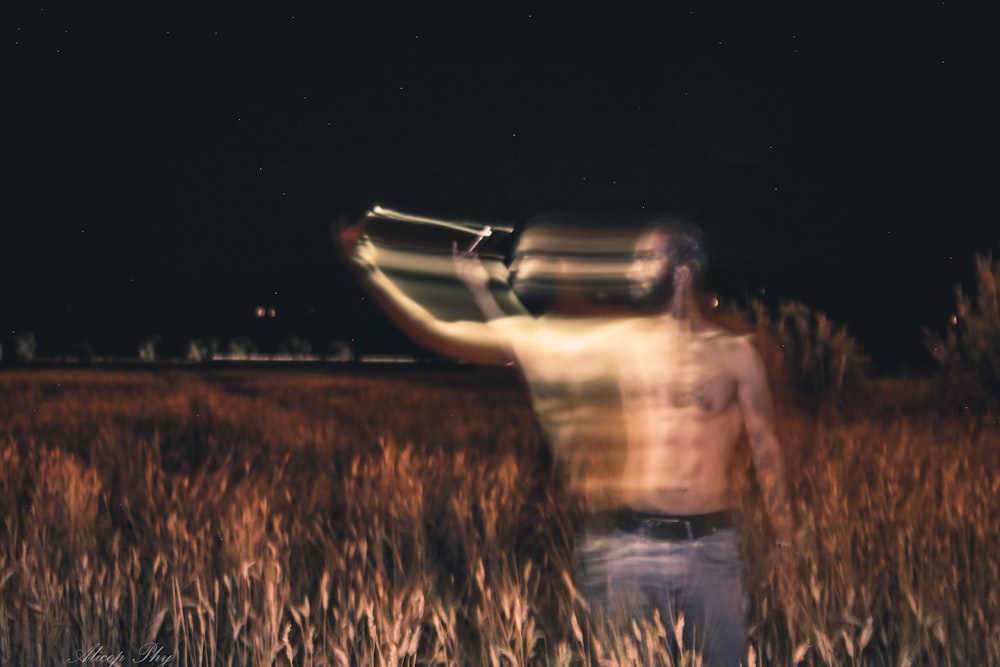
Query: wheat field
(410, 516)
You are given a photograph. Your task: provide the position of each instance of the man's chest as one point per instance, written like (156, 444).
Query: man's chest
(673, 374)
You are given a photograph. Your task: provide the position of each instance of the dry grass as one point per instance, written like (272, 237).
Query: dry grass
(308, 518)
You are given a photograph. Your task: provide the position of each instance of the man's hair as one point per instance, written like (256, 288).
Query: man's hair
(686, 244)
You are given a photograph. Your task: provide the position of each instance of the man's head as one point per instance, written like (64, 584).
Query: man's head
(601, 260)
(668, 255)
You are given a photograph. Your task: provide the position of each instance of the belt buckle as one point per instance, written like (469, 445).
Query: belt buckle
(688, 528)
(647, 527)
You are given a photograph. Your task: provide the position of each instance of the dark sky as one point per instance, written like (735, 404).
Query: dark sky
(169, 170)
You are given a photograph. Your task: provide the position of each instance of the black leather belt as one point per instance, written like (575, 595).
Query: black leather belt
(673, 528)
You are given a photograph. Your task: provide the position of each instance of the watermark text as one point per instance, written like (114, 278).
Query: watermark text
(97, 654)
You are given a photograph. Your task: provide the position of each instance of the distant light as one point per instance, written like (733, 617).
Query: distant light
(954, 319)
(715, 302)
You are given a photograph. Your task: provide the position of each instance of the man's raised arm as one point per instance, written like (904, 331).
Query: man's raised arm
(467, 340)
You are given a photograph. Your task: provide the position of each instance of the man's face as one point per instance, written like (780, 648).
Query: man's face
(650, 274)
(601, 267)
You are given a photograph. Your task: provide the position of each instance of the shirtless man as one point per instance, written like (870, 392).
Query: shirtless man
(645, 412)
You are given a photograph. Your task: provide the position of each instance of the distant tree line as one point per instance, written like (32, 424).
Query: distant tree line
(22, 348)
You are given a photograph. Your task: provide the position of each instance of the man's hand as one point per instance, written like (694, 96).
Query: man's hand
(470, 269)
(348, 235)
(355, 246)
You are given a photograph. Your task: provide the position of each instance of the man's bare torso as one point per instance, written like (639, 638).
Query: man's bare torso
(683, 417)
(643, 411)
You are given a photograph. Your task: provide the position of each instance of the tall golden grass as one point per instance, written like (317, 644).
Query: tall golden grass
(411, 518)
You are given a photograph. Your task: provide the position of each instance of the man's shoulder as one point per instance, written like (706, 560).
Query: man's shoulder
(727, 337)
(514, 329)
(737, 350)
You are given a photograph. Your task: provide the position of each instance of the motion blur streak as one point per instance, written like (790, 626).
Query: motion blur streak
(586, 264)
(382, 213)
(415, 254)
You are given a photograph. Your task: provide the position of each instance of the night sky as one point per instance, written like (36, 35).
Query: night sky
(170, 170)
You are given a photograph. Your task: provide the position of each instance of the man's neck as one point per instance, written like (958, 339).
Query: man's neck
(684, 309)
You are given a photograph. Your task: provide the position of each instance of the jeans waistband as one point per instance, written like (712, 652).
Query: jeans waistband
(670, 527)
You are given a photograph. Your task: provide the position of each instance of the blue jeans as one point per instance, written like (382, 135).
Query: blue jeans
(701, 579)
